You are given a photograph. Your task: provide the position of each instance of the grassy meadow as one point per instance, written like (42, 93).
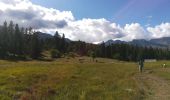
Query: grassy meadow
(70, 79)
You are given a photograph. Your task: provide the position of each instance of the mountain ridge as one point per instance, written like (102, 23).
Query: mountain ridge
(163, 42)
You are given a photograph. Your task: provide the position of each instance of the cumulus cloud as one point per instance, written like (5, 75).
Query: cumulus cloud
(49, 20)
(28, 14)
(135, 31)
(93, 30)
(162, 30)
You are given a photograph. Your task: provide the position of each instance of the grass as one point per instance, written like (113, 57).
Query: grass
(159, 71)
(69, 79)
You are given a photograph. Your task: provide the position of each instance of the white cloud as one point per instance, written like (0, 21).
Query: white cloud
(92, 30)
(28, 14)
(135, 31)
(50, 20)
(162, 30)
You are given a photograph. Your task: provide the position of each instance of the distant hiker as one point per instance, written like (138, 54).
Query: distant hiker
(164, 65)
(93, 56)
(141, 65)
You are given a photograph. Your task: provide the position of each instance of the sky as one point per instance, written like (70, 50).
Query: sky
(120, 11)
(92, 20)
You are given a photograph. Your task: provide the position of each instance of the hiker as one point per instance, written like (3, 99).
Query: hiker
(164, 65)
(141, 65)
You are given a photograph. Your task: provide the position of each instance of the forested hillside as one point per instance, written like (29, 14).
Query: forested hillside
(23, 43)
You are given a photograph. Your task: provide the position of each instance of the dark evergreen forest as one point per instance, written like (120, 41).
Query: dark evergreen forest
(23, 43)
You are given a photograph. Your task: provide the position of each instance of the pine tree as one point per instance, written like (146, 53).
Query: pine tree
(63, 44)
(36, 46)
(103, 50)
(57, 41)
(11, 37)
(17, 40)
(28, 40)
(4, 40)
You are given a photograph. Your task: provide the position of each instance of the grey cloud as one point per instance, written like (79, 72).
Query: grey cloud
(34, 15)
(61, 24)
(39, 23)
(24, 15)
(115, 32)
(118, 35)
(1, 12)
(30, 18)
(13, 2)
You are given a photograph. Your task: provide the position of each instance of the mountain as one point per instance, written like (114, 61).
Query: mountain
(44, 36)
(67, 40)
(140, 42)
(156, 43)
(114, 42)
(164, 41)
(147, 43)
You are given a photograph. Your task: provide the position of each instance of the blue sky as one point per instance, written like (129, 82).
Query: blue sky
(145, 12)
(92, 20)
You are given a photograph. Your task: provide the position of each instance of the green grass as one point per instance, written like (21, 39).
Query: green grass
(159, 71)
(69, 79)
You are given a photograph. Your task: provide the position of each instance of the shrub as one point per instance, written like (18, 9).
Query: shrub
(116, 56)
(72, 55)
(55, 53)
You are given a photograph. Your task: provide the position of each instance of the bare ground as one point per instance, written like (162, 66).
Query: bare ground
(154, 87)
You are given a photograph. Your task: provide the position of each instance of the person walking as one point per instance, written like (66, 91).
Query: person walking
(141, 65)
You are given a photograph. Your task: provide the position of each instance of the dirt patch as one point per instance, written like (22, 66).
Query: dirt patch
(155, 88)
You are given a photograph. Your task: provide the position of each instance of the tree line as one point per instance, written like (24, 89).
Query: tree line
(22, 43)
(129, 52)
(16, 42)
